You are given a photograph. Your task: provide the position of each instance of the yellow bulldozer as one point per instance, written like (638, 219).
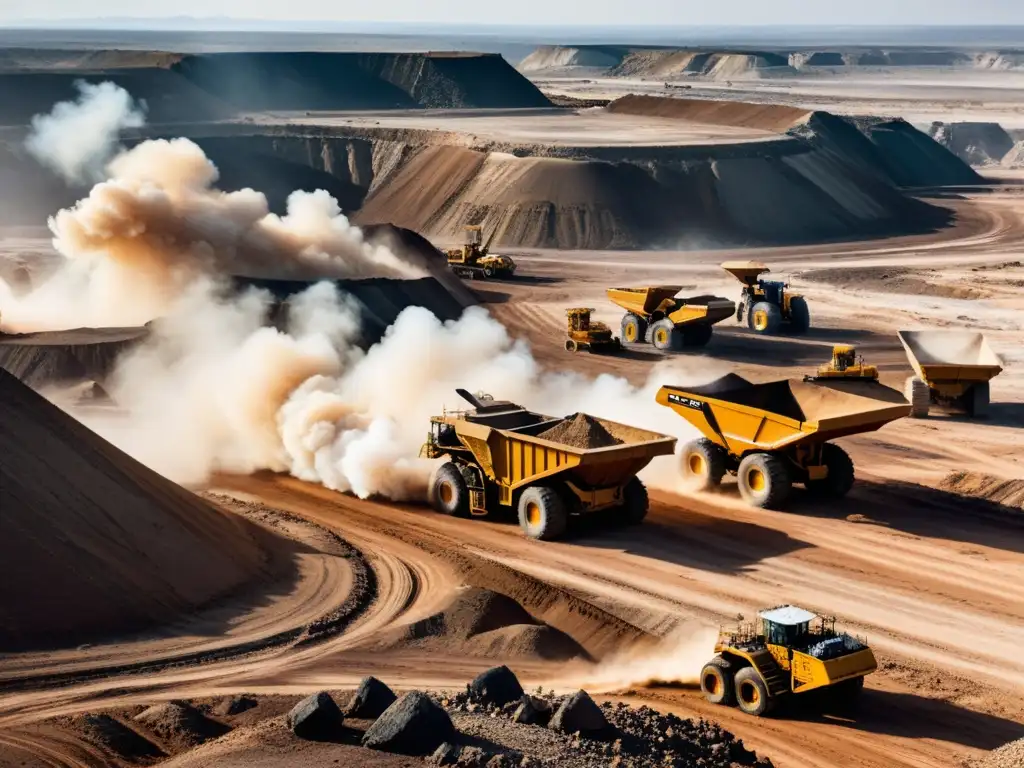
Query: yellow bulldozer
(765, 305)
(476, 261)
(589, 335)
(787, 651)
(845, 364)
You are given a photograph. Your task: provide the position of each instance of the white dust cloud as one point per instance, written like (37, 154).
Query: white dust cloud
(158, 224)
(676, 660)
(77, 138)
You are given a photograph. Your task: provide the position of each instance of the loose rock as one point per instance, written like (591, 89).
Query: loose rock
(370, 700)
(579, 714)
(316, 718)
(413, 725)
(532, 711)
(497, 686)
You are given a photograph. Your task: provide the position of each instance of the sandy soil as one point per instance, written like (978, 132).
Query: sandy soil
(932, 577)
(555, 127)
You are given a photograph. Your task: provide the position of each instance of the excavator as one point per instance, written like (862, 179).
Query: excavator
(476, 261)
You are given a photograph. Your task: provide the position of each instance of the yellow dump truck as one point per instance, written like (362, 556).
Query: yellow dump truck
(655, 315)
(776, 434)
(502, 456)
(766, 305)
(786, 651)
(951, 369)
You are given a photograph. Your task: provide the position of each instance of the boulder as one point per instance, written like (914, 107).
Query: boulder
(446, 754)
(579, 714)
(370, 700)
(316, 718)
(235, 705)
(413, 725)
(532, 711)
(497, 686)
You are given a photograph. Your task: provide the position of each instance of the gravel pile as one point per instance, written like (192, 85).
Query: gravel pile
(580, 431)
(1007, 756)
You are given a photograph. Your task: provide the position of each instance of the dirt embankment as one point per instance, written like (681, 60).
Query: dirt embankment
(769, 117)
(93, 544)
(81, 354)
(184, 88)
(978, 144)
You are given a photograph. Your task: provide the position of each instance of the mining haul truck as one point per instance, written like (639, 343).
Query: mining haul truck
(501, 456)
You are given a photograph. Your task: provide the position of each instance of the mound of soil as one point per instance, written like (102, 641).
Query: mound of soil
(580, 431)
(1007, 756)
(998, 490)
(769, 117)
(480, 622)
(60, 357)
(115, 737)
(92, 543)
(977, 144)
(179, 725)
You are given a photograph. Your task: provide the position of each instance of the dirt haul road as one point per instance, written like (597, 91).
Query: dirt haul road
(935, 580)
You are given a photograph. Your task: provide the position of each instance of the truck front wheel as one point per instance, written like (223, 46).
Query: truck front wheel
(751, 692)
(543, 514)
(448, 492)
(764, 480)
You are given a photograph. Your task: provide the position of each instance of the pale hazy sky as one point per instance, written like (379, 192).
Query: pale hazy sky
(542, 12)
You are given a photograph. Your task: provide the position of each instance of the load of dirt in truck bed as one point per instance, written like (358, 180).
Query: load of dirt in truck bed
(95, 545)
(580, 431)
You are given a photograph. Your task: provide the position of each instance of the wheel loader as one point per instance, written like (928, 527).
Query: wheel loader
(775, 434)
(766, 305)
(500, 456)
(655, 315)
(787, 651)
(589, 335)
(476, 260)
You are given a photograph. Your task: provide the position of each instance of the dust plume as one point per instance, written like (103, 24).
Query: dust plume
(77, 138)
(677, 659)
(158, 225)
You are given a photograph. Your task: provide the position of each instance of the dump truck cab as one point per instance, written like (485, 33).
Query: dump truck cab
(786, 650)
(766, 305)
(583, 333)
(502, 456)
(474, 258)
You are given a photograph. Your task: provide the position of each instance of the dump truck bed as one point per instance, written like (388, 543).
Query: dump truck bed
(950, 357)
(642, 301)
(742, 416)
(506, 440)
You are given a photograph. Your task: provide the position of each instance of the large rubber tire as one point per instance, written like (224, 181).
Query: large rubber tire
(571, 346)
(799, 315)
(697, 335)
(764, 481)
(919, 395)
(448, 492)
(542, 513)
(703, 464)
(717, 682)
(764, 318)
(665, 336)
(751, 692)
(635, 502)
(488, 272)
(840, 473)
(977, 400)
(634, 329)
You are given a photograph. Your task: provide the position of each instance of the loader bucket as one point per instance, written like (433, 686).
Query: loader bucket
(642, 301)
(943, 358)
(742, 417)
(746, 272)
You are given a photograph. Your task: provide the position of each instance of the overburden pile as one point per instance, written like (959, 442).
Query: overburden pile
(93, 544)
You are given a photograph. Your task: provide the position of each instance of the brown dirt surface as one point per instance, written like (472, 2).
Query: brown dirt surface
(769, 117)
(116, 737)
(999, 490)
(895, 280)
(580, 431)
(94, 543)
(480, 622)
(178, 725)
